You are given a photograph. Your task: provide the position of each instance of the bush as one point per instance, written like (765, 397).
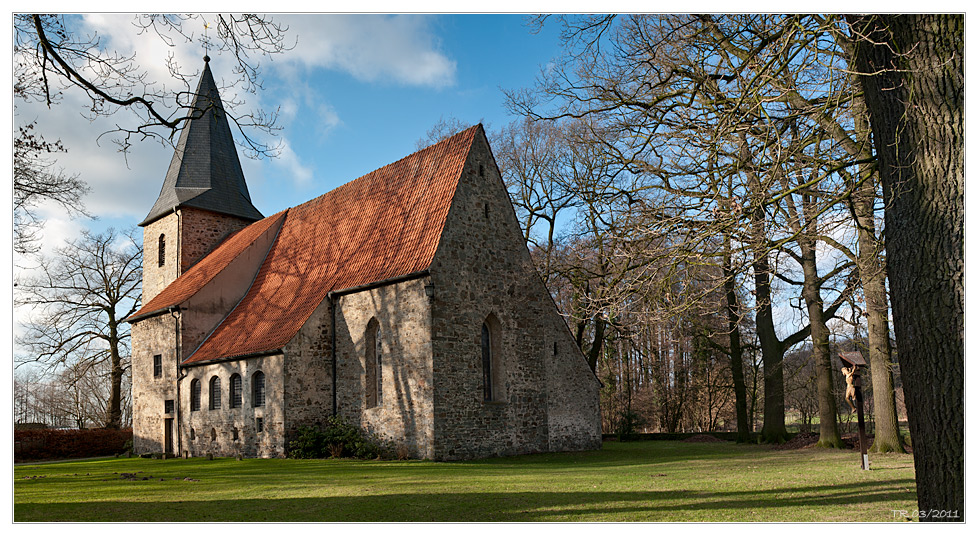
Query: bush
(64, 444)
(336, 439)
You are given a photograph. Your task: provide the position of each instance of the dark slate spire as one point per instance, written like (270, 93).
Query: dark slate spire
(205, 172)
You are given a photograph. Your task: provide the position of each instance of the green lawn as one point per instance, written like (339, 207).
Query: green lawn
(636, 481)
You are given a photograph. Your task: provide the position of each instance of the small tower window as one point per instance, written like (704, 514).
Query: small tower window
(235, 391)
(162, 249)
(157, 365)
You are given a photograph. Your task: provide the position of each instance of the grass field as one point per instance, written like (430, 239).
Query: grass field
(634, 481)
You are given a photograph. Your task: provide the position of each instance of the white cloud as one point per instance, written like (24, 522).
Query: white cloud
(400, 49)
(300, 174)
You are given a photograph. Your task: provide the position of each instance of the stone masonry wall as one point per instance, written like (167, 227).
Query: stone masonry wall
(203, 230)
(403, 415)
(231, 431)
(483, 267)
(190, 234)
(156, 277)
(151, 336)
(308, 390)
(573, 410)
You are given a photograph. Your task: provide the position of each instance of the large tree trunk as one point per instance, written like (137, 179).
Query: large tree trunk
(598, 344)
(913, 69)
(113, 408)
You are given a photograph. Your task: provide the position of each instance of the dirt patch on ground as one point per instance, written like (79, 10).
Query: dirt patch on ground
(703, 438)
(807, 440)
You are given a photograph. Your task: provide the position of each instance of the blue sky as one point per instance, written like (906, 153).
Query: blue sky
(355, 93)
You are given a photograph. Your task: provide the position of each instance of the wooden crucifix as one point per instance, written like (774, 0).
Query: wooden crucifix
(853, 362)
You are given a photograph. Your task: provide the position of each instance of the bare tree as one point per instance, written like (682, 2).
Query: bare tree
(690, 102)
(36, 181)
(51, 57)
(78, 298)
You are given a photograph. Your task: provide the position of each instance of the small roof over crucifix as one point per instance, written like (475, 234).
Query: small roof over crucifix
(852, 358)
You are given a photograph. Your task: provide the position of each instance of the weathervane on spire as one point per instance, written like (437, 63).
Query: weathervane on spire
(206, 41)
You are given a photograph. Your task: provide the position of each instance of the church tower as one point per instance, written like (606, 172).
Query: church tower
(204, 196)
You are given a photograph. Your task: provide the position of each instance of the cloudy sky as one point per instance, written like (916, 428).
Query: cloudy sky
(355, 93)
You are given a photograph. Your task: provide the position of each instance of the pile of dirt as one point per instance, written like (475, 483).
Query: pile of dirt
(702, 438)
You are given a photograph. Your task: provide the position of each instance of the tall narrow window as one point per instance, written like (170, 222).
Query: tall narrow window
(162, 249)
(372, 365)
(157, 365)
(235, 391)
(493, 374)
(258, 389)
(215, 393)
(486, 364)
(195, 395)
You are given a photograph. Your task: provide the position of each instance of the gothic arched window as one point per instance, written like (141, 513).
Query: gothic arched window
(235, 391)
(195, 395)
(492, 369)
(215, 393)
(258, 389)
(373, 366)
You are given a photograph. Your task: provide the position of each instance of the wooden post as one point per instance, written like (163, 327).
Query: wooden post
(864, 458)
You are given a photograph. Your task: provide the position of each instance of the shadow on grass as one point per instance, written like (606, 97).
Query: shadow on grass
(512, 506)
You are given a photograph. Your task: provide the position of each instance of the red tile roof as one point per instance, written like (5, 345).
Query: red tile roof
(382, 225)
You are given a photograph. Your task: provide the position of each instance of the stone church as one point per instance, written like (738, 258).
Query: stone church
(404, 301)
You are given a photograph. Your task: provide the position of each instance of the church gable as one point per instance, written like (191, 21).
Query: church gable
(502, 354)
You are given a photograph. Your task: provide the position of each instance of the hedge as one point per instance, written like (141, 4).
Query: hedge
(32, 445)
